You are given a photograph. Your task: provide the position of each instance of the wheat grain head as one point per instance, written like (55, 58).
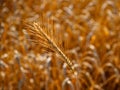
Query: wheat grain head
(46, 38)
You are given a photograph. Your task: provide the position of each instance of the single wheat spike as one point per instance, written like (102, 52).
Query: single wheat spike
(46, 39)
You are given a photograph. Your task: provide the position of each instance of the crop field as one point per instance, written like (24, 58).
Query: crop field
(59, 44)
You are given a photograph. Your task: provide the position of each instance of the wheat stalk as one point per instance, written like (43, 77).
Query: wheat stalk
(46, 39)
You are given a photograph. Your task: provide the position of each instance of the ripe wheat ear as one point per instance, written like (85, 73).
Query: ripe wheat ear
(46, 39)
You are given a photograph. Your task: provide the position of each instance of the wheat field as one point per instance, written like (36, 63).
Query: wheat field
(59, 44)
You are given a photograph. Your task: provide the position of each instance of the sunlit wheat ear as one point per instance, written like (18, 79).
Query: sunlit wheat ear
(45, 37)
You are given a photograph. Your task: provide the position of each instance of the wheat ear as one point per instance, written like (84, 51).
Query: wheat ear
(45, 38)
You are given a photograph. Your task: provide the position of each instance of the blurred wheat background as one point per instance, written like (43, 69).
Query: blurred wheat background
(88, 31)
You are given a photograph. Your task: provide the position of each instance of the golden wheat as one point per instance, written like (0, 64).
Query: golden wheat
(46, 39)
